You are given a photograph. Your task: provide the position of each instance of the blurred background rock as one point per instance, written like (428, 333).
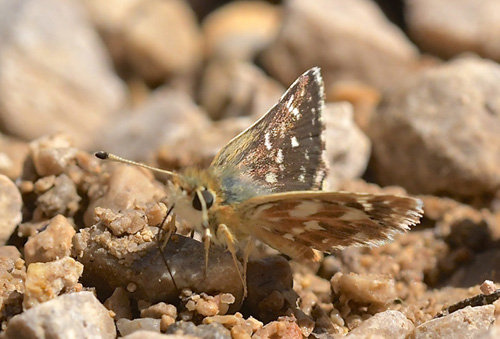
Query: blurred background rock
(413, 105)
(153, 80)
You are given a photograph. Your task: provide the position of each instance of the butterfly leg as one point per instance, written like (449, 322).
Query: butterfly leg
(249, 247)
(207, 239)
(223, 232)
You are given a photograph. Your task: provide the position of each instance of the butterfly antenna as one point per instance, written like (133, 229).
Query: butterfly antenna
(111, 157)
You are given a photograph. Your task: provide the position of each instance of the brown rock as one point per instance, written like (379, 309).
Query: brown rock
(447, 28)
(374, 52)
(482, 266)
(207, 305)
(234, 88)
(239, 327)
(51, 154)
(58, 79)
(12, 156)
(198, 148)
(10, 208)
(62, 317)
(157, 311)
(52, 243)
(363, 98)
(347, 147)
(128, 189)
(284, 327)
(441, 132)
(135, 262)
(119, 304)
(62, 198)
(365, 288)
(470, 322)
(128, 221)
(241, 29)
(269, 288)
(157, 38)
(12, 277)
(388, 324)
(45, 281)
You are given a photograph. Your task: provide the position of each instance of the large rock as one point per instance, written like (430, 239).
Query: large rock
(157, 38)
(54, 71)
(351, 40)
(64, 317)
(450, 27)
(441, 132)
(167, 116)
(470, 322)
(231, 89)
(347, 147)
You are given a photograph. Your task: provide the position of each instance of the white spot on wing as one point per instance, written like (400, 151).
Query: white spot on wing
(298, 230)
(289, 236)
(304, 209)
(267, 141)
(289, 104)
(271, 178)
(296, 113)
(295, 142)
(353, 214)
(302, 178)
(279, 156)
(313, 225)
(261, 209)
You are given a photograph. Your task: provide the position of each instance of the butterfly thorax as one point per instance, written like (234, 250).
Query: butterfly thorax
(228, 190)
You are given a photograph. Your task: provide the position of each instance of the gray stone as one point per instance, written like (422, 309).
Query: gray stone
(167, 116)
(450, 27)
(204, 331)
(347, 147)
(233, 88)
(54, 71)
(388, 324)
(440, 133)
(126, 327)
(157, 38)
(72, 315)
(351, 40)
(470, 322)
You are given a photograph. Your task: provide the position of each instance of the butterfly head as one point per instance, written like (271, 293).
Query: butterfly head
(193, 195)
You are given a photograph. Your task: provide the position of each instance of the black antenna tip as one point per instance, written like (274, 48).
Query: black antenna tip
(101, 155)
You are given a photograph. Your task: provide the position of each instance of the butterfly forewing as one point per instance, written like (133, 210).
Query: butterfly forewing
(283, 151)
(292, 222)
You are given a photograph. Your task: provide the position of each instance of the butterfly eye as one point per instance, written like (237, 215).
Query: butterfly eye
(207, 196)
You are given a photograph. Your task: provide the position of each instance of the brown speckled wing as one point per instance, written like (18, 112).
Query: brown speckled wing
(295, 222)
(284, 150)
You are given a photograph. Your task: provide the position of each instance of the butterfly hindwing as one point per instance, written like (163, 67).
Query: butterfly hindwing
(283, 151)
(327, 221)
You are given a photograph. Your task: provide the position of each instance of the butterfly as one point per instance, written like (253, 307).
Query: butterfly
(265, 185)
